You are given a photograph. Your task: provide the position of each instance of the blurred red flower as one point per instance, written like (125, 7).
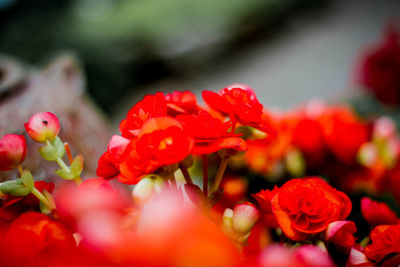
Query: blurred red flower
(377, 213)
(344, 133)
(281, 256)
(263, 155)
(379, 70)
(33, 239)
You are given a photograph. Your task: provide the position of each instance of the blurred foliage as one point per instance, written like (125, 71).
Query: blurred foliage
(125, 42)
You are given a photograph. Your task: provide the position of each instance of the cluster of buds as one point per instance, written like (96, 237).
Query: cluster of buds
(42, 128)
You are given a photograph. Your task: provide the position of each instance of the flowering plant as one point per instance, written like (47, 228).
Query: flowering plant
(229, 184)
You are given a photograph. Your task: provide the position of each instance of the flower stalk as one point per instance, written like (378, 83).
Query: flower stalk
(220, 174)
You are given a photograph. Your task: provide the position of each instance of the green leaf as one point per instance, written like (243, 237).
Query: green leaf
(15, 188)
(59, 147)
(77, 165)
(27, 179)
(65, 174)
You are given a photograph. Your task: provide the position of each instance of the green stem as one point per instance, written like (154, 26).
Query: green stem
(42, 198)
(220, 174)
(205, 175)
(62, 164)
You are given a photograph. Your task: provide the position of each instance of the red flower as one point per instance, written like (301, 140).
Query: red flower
(166, 232)
(379, 70)
(264, 201)
(12, 151)
(181, 103)
(210, 134)
(344, 133)
(33, 239)
(385, 240)
(377, 213)
(93, 195)
(358, 259)
(161, 142)
(264, 155)
(341, 233)
(108, 165)
(307, 206)
(43, 126)
(151, 106)
(308, 137)
(304, 256)
(238, 101)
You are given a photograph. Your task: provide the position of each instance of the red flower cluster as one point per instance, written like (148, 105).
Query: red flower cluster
(318, 131)
(162, 130)
(168, 220)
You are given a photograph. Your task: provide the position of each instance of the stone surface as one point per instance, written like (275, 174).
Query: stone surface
(58, 88)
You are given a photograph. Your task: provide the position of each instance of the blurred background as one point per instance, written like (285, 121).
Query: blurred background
(106, 54)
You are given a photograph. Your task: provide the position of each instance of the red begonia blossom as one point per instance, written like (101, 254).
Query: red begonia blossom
(385, 241)
(307, 206)
(150, 106)
(181, 103)
(161, 141)
(238, 101)
(210, 134)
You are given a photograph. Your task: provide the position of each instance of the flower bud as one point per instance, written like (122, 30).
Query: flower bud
(367, 154)
(295, 163)
(12, 151)
(145, 189)
(341, 233)
(227, 218)
(43, 126)
(384, 128)
(245, 215)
